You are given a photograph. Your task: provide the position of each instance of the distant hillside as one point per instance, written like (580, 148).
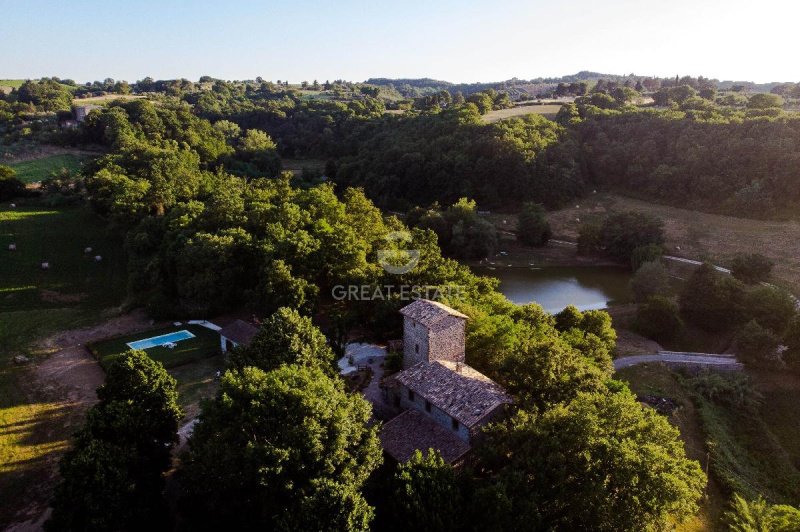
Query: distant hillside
(413, 88)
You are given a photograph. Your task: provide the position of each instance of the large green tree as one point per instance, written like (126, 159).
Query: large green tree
(532, 226)
(425, 495)
(113, 478)
(601, 462)
(287, 449)
(286, 337)
(711, 300)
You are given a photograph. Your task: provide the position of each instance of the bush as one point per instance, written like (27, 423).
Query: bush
(645, 254)
(532, 226)
(732, 389)
(651, 279)
(712, 301)
(771, 307)
(658, 319)
(751, 268)
(622, 234)
(759, 515)
(791, 339)
(10, 186)
(393, 362)
(758, 346)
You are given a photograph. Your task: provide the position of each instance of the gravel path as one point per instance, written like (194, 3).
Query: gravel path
(725, 362)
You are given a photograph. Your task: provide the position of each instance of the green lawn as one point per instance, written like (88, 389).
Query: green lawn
(204, 344)
(11, 83)
(75, 281)
(34, 303)
(39, 169)
(196, 382)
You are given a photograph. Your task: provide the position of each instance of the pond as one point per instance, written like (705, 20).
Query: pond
(588, 288)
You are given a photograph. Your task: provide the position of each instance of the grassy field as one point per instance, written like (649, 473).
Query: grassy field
(548, 111)
(33, 299)
(34, 303)
(38, 169)
(204, 344)
(696, 235)
(7, 84)
(100, 100)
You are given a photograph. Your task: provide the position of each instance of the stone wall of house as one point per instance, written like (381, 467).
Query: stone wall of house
(448, 343)
(415, 343)
(422, 345)
(437, 414)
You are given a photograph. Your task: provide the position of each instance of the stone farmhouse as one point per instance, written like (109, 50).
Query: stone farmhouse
(445, 402)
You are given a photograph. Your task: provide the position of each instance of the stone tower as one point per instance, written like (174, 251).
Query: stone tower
(432, 331)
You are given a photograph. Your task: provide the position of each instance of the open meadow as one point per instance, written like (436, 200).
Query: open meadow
(35, 424)
(36, 170)
(100, 100)
(548, 111)
(695, 235)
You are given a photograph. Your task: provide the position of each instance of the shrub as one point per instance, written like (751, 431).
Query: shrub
(757, 345)
(393, 362)
(532, 226)
(10, 186)
(771, 307)
(651, 279)
(644, 254)
(621, 234)
(712, 301)
(658, 319)
(751, 268)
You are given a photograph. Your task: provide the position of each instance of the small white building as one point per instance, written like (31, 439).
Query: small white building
(235, 334)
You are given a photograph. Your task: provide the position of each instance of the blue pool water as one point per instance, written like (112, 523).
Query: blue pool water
(156, 341)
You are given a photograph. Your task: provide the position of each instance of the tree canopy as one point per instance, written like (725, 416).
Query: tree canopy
(288, 449)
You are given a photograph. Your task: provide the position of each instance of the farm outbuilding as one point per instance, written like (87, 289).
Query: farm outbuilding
(237, 333)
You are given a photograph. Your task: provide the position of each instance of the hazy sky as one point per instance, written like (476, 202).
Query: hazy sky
(461, 41)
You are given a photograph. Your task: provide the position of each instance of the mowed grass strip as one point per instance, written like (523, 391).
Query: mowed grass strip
(205, 344)
(37, 170)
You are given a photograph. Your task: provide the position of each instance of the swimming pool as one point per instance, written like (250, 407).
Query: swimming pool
(156, 341)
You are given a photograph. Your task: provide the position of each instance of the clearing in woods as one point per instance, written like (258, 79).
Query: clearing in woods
(36, 170)
(35, 424)
(690, 234)
(548, 111)
(100, 100)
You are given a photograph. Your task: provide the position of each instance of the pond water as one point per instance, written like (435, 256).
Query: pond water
(588, 288)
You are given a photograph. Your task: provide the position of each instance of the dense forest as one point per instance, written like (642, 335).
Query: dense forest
(190, 178)
(721, 152)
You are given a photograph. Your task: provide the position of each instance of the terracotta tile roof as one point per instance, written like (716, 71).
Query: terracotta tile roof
(239, 331)
(412, 430)
(460, 391)
(431, 314)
